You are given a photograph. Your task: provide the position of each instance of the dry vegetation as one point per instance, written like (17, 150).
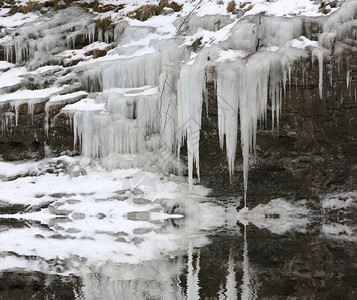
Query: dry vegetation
(145, 12)
(60, 4)
(104, 23)
(231, 6)
(97, 7)
(29, 7)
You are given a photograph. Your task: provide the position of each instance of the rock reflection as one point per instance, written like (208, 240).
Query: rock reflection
(272, 251)
(147, 280)
(230, 292)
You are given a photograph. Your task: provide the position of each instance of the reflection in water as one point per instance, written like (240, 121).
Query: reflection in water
(247, 293)
(120, 245)
(148, 280)
(192, 277)
(230, 292)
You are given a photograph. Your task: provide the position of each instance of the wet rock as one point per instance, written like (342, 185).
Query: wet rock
(137, 192)
(73, 230)
(11, 223)
(58, 220)
(312, 153)
(141, 201)
(117, 234)
(137, 240)
(73, 201)
(238, 12)
(121, 192)
(101, 216)
(78, 216)
(138, 216)
(121, 240)
(35, 285)
(60, 237)
(6, 208)
(142, 230)
(59, 212)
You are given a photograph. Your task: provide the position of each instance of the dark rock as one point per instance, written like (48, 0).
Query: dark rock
(36, 285)
(313, 151)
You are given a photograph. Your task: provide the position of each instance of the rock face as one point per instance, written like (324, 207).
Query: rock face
(28, 139)
(314, 149)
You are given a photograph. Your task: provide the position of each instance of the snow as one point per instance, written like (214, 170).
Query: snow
(17, 19)
(231, 55)
(85, 104)
(5, 65)
(99, 215)
(12, 77)
(278, 216)
(22, 95)
(303, 42)
(340, 232)
(11, 170)
(66, 97)
(286, 8)
(339, 201)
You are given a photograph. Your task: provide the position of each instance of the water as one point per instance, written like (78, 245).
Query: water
(131, 235)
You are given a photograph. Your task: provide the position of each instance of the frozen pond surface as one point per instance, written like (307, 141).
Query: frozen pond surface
(71, 230)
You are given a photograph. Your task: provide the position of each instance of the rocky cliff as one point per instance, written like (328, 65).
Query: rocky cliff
(311, 151)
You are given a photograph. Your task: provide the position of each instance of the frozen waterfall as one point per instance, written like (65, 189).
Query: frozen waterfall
(142, 100)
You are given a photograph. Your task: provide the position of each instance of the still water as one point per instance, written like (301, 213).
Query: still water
(163, 243)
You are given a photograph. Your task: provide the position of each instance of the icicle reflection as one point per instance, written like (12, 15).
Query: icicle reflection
(246, 287)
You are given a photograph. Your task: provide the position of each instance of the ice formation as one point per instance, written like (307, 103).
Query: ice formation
(143, 97)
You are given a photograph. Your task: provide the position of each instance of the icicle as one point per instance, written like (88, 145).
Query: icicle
(16, 105)
(119, 30)
(100, 35)
(289, 77)
(133, 72)
(100, 135)
(47, 115)
(252, 105)
(319, 54)
(280, 30)
(189, 97)
(30, 107)
(208, 22)
(349, 78)
(92, 79)
(228, 91)
(8, 52)
(91, 33)
(7, 122)
(168, 112)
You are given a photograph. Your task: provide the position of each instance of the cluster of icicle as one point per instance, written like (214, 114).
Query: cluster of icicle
(148, 98)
